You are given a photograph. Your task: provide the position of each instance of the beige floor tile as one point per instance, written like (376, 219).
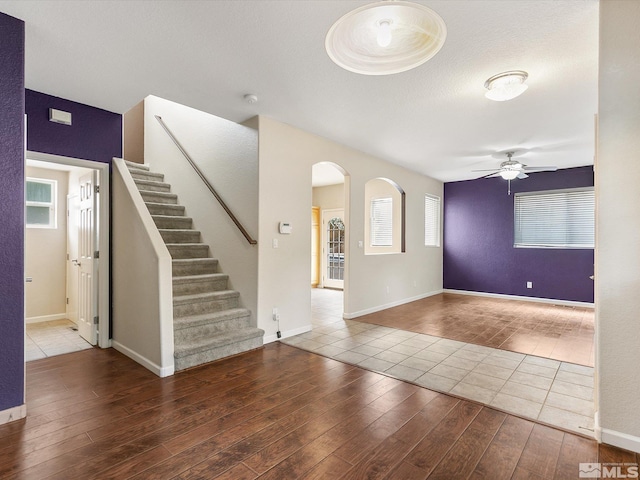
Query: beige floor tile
(405, 349)
(330, 350)
(449, 372)
(392, 357)
(510, 355)
(543, 362)
(579, 369)
(576, 378)
(431, 356)
(351, 357)
(493, 371)
(440, 348)
(459, 362)
(516, 405)
(376, 364)
(501, 362)
(436, 382)
(470, 355)
(527, 392)
(367, 350)
(532, 380)
(485, 381)
(537, 370)
(404, 373)
(572, 404)
(569, 420)
(419, 363)
(473, 392)
(573, 390)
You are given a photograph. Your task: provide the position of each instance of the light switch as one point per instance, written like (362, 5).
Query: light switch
(274, 243)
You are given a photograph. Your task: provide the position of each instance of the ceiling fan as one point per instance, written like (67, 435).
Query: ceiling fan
(511, 169)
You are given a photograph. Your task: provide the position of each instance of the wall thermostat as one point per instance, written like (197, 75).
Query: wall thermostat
(285, 228)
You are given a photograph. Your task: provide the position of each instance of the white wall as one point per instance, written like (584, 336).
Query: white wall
(328, 197)
(618, 225)
(286, 158)
(45, 257)
(227, 154)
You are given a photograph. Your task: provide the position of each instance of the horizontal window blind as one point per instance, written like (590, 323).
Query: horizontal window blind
(559, 218)
(382, 222)
(431, 221)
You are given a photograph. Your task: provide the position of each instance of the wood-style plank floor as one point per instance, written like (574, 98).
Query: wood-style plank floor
(274, 413)
(545, 330)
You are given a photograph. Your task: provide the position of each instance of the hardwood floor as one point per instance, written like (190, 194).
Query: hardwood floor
(274, 413)
(545, 330)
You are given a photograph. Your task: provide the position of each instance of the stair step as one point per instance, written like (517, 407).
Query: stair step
(136, 166)
(165, 209)
(167, 222)
(192, 284)
(195, 327)
(138, 174)
(176, 235)
(152, 186)
(201, 303)
(220, 346)
(159, 197)
(194, 266)
(188, 250)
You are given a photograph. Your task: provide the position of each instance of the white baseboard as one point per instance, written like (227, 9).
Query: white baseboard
(620, 440)
(145, 362)
(13, 414)
(566, 303)
(287, 334)
(360, 313)
(46, 318)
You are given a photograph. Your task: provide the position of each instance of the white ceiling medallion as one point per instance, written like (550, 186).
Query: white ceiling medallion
(385, 37)
(505, 86)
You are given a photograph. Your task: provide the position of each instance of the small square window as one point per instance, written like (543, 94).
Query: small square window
(40, 201)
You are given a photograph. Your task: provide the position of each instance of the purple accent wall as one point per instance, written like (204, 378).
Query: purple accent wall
(478, 241)
(94, 134)
(12, 212)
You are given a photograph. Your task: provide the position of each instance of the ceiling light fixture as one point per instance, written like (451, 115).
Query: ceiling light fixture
(385, 37)
(509, 174)
(505, 86)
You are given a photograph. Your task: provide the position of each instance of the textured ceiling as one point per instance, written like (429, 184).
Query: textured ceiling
(433, 119)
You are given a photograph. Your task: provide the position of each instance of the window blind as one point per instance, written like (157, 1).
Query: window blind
(382, 222)
(431, 221)
(558, 218)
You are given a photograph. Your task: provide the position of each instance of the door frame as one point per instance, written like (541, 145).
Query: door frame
(104, 280)
(325, 216)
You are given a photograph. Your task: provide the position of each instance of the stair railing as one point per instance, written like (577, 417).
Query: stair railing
(206, 182)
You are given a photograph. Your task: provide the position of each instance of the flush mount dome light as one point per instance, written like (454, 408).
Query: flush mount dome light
(505, 86)
(385, 37)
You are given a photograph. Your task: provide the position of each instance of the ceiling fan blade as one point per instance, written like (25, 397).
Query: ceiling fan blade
(522, 175)
(486, 170)
(540, 169)
(492, 174)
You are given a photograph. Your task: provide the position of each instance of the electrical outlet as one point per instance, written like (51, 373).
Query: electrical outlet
(275, 315)
(388, 289)
(529, 284)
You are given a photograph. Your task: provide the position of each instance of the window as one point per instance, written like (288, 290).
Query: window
(40, 196)
(556, 219)
(431, 221)
(382, 222)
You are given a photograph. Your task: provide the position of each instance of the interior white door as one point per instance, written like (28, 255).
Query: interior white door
(87, 263)
(73, 217)
(333, 248)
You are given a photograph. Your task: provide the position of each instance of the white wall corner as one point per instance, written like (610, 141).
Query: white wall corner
(287, 334)
(162, 372)
(13, 414)
(597, 429)
(360, 313)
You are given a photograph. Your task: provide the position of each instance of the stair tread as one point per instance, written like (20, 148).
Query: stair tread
(205, 296)
(198, 278)
(199, 244)
(228, 313)
(220, 339)
(177, 230)
(139, 181)
(162, 194)
(139, 166)
(195, 260)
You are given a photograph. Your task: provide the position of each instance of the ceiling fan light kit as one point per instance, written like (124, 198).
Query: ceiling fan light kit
(385, 37)
(506, 86)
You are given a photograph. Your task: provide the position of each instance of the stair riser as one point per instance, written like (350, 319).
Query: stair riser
(155, 197)
(189, 251)
(217, 353)
(192, 288)
(136, 167)
(194, 269)
(209, 306)
(182, 223)
(191, 236)
(148, 176)
(165, 209)
(154, 187)
(188, 335)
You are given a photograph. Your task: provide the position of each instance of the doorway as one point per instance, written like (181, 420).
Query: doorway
(333, 248)
(67, 243)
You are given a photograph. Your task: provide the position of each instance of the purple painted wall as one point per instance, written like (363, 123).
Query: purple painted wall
(95, 134)
(11, 212)
(478, 241)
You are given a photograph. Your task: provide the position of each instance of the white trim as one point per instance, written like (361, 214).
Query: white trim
(360, 313)
(287, 334)
(46, 318)
(162, 372)
(566, 303)
(12, 414)
(104, 280)
(597, 429)
(620, 440)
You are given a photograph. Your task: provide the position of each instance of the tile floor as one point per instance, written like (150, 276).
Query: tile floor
(554, 392)
(46, 339)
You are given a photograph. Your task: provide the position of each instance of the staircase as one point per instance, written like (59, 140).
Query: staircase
(208, 322)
